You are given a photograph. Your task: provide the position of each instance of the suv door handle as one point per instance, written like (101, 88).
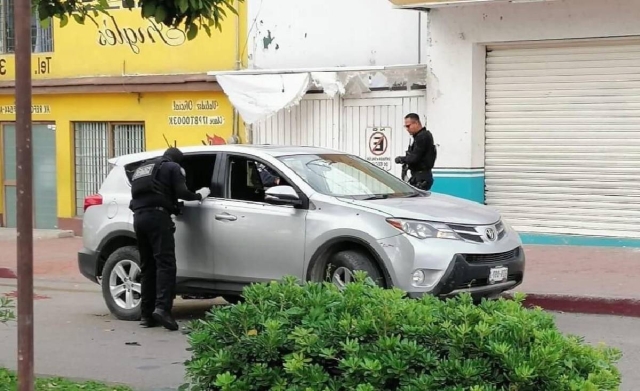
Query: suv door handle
(226, 217)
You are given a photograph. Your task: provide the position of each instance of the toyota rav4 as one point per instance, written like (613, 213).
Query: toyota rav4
(331, 214)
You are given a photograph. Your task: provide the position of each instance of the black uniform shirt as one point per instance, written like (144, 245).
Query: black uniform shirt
(172, 176)
(421, 156)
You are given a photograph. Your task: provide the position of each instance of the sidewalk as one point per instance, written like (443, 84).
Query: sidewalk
(571, 279)
(594, 280)
(54, 257)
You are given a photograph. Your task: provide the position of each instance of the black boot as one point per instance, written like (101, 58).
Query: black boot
(165, 319)
(148, 322)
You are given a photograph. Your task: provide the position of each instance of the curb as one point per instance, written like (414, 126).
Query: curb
(584, 304)
(41, 284)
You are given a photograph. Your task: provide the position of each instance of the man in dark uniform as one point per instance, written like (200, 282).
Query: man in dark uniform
(421, 155)
(156, 187)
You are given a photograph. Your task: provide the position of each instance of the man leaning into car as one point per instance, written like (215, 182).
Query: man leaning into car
(156, 187)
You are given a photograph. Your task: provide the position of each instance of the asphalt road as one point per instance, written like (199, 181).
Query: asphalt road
(77, 338)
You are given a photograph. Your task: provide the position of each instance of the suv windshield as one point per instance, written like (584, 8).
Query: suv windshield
(341, 175)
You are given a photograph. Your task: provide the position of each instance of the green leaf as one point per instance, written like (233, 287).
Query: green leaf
(79, 19)
(207, 29)
(183, 5)
(230, 7)
(160, 14)
(64, 20)
(45, 23)
(130, 4)
(192, 32)
(148, 9)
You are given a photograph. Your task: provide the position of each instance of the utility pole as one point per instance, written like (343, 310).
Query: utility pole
(24, 175)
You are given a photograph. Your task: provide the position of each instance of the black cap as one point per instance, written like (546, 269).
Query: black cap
(174, 154)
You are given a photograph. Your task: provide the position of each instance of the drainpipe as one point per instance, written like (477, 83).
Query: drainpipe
(235, 138)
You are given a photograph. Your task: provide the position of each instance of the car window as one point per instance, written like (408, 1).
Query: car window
(343, 175)
(198, 169)
(247, 179)
(131, 168)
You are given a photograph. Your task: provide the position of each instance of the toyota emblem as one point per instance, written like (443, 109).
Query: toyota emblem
(491, 234)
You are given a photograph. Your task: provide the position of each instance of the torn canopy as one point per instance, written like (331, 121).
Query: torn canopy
(260, 96)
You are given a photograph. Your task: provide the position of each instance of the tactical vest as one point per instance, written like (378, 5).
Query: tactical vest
(145, 179)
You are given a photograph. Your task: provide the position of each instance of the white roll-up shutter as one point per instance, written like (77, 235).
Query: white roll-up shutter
(563, 137)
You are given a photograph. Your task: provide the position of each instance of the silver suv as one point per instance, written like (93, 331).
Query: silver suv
(330, 214)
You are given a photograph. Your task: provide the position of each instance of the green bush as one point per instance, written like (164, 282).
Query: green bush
(6, 310)
(314, 337)
(9, 382)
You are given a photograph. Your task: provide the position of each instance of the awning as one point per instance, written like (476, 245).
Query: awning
(258, 94)
(427, 4)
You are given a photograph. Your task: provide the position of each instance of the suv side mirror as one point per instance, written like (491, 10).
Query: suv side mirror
(282, 195)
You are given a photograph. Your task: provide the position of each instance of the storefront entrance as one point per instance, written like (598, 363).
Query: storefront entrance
(45, 198)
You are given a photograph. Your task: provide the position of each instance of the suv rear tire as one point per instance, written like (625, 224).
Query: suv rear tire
(127, 260)
(342, 265)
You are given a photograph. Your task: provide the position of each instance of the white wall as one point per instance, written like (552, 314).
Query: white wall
(328, 33)
(455, 52)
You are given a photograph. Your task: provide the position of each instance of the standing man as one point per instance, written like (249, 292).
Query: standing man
(156, 187)
(421, 155)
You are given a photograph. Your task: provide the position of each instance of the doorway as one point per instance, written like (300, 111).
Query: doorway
(45, 196)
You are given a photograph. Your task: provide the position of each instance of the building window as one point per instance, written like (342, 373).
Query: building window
(41, 38)
(95, 144)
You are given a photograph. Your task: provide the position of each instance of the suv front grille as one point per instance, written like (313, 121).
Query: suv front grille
(467, 232)
(471, 233)
(492, 258)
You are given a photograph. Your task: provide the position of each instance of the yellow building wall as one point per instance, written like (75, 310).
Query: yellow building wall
(122, 43)
(188, 118)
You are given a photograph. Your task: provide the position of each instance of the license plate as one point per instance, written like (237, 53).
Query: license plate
(498, 274)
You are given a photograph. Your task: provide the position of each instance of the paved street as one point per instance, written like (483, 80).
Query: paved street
(72, 323)
(76, 337)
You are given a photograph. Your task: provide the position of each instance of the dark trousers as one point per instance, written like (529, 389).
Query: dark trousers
(423, 180)
(154, 230)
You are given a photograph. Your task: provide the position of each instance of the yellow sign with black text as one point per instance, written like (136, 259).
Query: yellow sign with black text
(153, 111)
(123, 43)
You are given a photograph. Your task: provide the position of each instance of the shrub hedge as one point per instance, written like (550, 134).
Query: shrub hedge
(293, 337)
(6, 310)
(9, 382)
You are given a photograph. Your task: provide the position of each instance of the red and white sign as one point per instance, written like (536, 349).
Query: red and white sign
(379, 147)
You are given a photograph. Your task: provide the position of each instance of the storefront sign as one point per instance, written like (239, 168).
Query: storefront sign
(188, 105)
(35, 109)
(122, 43)
(41, 65)
(183, 106)
(379, 147)
(196, 120)
(111, 33)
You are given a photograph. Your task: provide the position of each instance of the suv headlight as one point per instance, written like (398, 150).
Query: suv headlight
(423, 229)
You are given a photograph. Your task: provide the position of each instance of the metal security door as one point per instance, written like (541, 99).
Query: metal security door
(563, 137)
(315, 121)
(364, 116)
(45, 197)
